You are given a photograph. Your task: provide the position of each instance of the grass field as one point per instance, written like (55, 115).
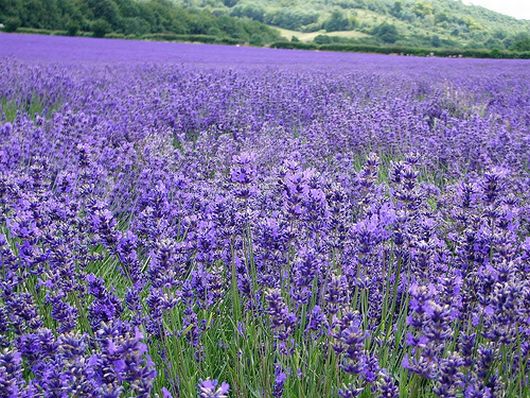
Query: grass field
(309, 36)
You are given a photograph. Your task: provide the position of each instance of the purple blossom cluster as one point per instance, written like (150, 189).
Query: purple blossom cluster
(235, 222)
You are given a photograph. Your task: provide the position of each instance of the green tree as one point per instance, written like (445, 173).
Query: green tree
(11, 24)
(322, 39)
(251, 11)
(435, 41)
(100, 28)
(440, 17)
(337, 21)
(106, 10)
(72, 28)
(521, 42)
(290, 19)
(493, 44)
(256, 40)
(386, 32)
(397, 9)
(422, 9)
(135, 26)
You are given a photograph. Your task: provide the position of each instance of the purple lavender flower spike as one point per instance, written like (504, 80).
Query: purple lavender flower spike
(209, 389)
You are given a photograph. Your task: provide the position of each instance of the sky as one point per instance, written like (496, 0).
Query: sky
(515, 8)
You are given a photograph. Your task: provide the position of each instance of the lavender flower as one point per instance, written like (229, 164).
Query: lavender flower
(208, 389)
(282, 320)
(279, 380)
(263, 213)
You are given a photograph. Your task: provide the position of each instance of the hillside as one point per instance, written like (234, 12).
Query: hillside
(157, 19)
(434, 23)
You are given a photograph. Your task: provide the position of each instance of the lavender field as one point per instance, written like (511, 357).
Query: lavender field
(184, 220)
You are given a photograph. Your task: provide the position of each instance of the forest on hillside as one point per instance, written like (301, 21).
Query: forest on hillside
(435, 23)
(129, 18)
(381, 25)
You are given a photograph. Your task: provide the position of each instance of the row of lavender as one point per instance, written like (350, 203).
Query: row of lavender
(265, 230)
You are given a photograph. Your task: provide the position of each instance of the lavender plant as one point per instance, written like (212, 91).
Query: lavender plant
(207, 221)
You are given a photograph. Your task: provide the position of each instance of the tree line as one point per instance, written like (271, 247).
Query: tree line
(129, 18)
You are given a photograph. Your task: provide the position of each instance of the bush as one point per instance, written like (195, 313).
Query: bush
(189, 38)
(420, 52)
(251, 11)
(227, 40)
(435, 41)
(295, 45)
(72, 28)
(322, 39)
(114, 35)
(135, 26)
(11, 24)
(35, 31)
(521, 43)
(336, 22)
(256, 40)
(386, 33)
(100, 28)
(290, 19)
(312, 27)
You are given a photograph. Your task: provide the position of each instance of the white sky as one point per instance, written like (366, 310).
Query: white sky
(515, 8)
